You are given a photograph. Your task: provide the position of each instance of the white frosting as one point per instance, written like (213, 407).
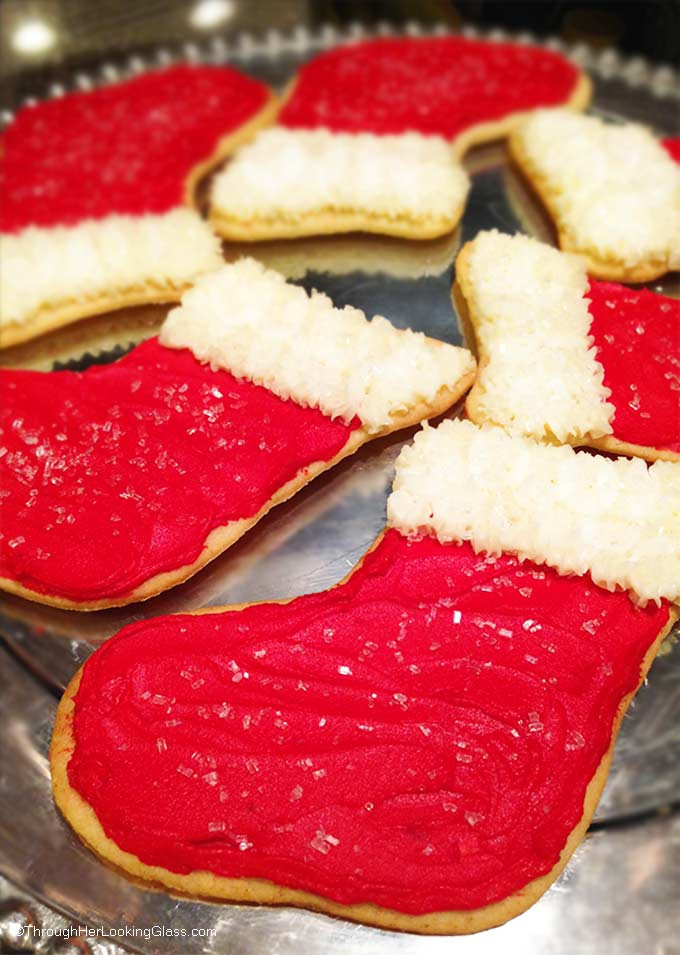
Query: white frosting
(532, 322)
(248, 320)
(286, 173)
(613, 189)
(43, 268)
(617, 520)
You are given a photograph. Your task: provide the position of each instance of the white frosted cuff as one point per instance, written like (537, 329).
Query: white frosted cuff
(250, 321)
(286, 174)
(613, 189)
(49, 267)
(617, 520)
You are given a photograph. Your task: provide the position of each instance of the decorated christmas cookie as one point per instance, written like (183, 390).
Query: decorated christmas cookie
(465, 90)
(612, 191)
(92, 183)
(443, 707)
(123, 480)
(289, 183)
(563, 359)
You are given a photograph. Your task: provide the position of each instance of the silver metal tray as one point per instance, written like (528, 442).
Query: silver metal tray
(620, 897)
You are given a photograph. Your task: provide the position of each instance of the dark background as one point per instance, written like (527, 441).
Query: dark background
(84, 32)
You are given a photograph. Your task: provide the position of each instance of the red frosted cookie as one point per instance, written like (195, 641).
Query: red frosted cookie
(465, 90)
(637, 336)
(94, 516)
(123, 480)
(453, 711)
(91, 185)
(536, 318)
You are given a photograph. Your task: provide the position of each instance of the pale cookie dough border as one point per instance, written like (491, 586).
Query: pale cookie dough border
(614, 446)
(50, 319)
(461, 295)
(82, 817)
(327, 222)
(65, 313)
(605, 269)
(221, 538)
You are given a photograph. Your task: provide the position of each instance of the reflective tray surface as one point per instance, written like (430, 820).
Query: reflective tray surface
(618, 894)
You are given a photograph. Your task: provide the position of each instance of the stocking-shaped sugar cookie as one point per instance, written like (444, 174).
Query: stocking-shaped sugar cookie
(443, 708)
(94, 185)
(563, 359)
(123, 480)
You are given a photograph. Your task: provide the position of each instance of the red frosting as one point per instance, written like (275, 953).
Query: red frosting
(420, 737)
(118, 473)
(442, 85)
(637, 336)
(124, 148)
(673, 147)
